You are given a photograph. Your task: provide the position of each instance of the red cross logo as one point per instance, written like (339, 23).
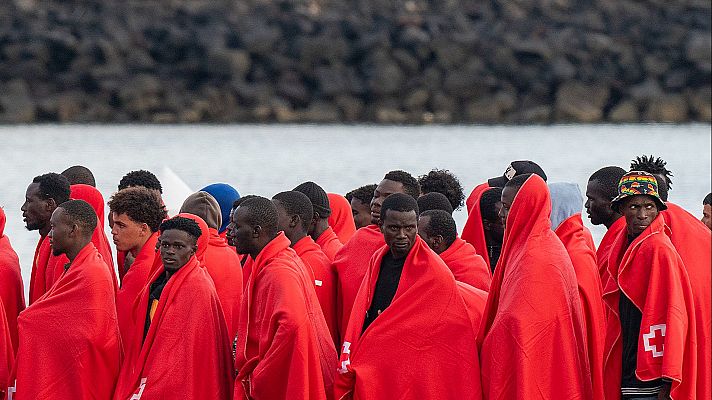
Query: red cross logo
(652, 341)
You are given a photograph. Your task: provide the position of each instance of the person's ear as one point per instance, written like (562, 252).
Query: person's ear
(145, 229)
(256, 231)
(50, 205)
(438, 240)
(294, 220)
(194, 248)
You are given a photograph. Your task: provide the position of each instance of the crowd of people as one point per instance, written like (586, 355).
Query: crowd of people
(371, 295)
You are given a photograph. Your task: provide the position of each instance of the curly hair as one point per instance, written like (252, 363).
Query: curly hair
(364, 194)
(399, 202)
(441, 224)
(140, 204)
(488, 201)
(434, 201)
(79, 174)
(183, 224)
(261, 211)
(141, 178)
(445, 182)
(410, 185)
(53, 186)
(707, 200)
(608, 178)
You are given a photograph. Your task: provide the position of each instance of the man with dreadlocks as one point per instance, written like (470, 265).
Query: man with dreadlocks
(360, 200)
(180, 349)
(601, 189)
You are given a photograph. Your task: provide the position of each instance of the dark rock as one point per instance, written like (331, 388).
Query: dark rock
(16, 104)
(579, 102)
(669, 108)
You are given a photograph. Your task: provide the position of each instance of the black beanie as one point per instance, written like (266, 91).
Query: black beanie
(318, 197)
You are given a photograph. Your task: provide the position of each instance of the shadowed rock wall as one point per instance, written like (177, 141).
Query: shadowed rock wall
(385, 61)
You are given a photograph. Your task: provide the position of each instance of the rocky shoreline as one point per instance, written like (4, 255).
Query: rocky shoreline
(376, 61)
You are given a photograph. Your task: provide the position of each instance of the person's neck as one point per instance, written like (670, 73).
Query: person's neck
(612, 221)
(169, 274)
(44, 231)
(72, 253)
(295, 237)
(320, 227)
(491, 241)
(134, 252)
(264, 241)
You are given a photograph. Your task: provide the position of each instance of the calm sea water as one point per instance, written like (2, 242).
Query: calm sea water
(266, 159)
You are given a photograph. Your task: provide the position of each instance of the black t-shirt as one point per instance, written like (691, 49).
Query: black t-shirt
(493, 253)
(155, 294)
(386, 286)
(631, 317)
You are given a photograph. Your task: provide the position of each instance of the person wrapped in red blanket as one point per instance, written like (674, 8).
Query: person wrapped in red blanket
(181, 348)
(137, 213)
(566, 205)
(437, 228)
(284, 350)
(70, 347)
(351, 262)
(12, 293)
(41, 199)
(532, 338)
(411, 334)
(652, 346)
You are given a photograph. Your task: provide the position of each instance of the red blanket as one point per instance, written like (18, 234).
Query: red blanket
(422, 346)
(473, 231)
(574, 236)
(351, 264)
(7, 355)
(69, 338)
(186, 353)
(136, 278)
(329, 243)
(341, 218)
(532, 338)
(224, 267)
(12, 293)
(604, 248)
(656, 280)
(324, 280)
(284, 350)
(467, 265)
(94, 198)
(43, 267)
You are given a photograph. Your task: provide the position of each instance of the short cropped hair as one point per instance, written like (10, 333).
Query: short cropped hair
(434, 201)
(182, 224)
(81, 213)
(261, 211)
(398, 202)
(445, 182)
(53, 186)
(79, 174)
(488, 201)
(708, 199)
(410, 185)
(296, 203)
(441, 224)
(364, 194)
(142, 205)
(608, 178)
(141, 178)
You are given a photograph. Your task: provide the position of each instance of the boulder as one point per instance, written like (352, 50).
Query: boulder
(580, 102)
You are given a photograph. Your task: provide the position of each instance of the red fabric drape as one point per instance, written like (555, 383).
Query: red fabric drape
(12, 292)
(69, 338)
(186, 353)
(574, 236)
(284, 350)
(604, 248)
(534, 308)
(350, 265)
(422, 346)
(329, 243)
(473, 231)
(467, 265)
(654, 277)
(341, 218)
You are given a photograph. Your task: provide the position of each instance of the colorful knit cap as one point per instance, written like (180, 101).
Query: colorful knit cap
(636, 183)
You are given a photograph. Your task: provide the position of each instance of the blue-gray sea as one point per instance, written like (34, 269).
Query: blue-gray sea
(266, 159)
